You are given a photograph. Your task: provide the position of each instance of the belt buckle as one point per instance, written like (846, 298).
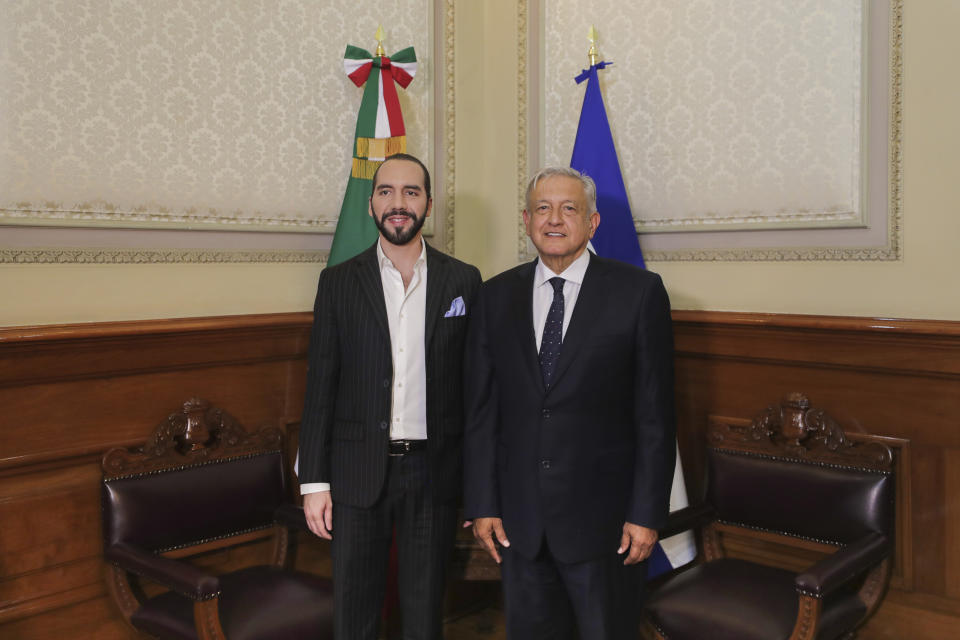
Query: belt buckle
(399, 444)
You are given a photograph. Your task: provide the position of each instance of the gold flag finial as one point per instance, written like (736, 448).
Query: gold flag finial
(379, 36)
(592, 37)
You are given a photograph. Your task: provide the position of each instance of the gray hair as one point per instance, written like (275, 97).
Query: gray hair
(589, 186)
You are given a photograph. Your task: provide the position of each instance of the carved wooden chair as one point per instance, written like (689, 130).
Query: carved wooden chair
(199, 486)
(797, 532)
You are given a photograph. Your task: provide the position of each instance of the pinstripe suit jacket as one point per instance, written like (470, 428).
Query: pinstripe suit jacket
(346, 415)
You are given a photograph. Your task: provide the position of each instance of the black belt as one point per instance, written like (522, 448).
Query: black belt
(402, 447)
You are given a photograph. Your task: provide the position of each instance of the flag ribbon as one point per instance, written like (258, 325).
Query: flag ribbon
(595, 155)
(586, 73)
(380, 133)
(380, 116)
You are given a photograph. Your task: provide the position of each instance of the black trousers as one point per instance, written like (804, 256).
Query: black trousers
(546, 599)
(361, 552)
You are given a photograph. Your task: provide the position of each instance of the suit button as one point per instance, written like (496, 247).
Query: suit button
(546, 413)
(386, 382)
(383, 425)
(545, 464)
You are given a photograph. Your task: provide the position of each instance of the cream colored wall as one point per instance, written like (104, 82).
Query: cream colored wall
(921, 285)
(62, 294)
(486, 134)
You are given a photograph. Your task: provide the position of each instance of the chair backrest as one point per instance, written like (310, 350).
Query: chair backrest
(201, 478)
(792, 471)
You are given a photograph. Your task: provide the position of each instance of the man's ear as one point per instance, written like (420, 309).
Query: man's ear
(594, 222)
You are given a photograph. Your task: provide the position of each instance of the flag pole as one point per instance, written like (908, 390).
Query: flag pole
(594, 154)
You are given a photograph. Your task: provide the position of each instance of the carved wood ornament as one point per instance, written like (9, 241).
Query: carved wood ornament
(793, 429)
(199, 432)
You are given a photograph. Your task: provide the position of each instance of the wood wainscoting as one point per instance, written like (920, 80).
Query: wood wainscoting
(894, 379)
(69, 393)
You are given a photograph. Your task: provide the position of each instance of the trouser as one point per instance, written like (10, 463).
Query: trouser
(546, 599)
(361, 550)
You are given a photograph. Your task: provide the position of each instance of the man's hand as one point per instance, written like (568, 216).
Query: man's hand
(485, 530)
(639, 540)
(318, 507)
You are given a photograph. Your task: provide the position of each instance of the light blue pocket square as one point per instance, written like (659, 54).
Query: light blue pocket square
(457, 308)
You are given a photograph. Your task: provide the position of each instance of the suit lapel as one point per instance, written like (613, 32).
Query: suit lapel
(521, 305)
(372, 287)
(589, 302)
(437, 276)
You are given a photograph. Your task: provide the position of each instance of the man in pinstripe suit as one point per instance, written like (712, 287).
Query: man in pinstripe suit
(380, 444)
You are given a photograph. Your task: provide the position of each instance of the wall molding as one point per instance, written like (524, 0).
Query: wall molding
(42, 226)
(61, 255)
(882, 243)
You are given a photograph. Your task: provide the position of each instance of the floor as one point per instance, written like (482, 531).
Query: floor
(484, 623)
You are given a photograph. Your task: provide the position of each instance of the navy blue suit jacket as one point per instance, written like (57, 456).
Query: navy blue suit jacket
(597, 449)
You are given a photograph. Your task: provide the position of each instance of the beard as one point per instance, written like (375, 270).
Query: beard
(402, 236)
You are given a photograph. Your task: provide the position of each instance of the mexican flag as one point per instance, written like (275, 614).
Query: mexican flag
(380, 133)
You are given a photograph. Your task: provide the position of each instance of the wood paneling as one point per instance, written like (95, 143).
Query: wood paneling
(70, 393)
(893, 378)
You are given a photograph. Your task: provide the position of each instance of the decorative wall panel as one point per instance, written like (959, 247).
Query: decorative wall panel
(730, 115)
(183, 114)
(769, 128)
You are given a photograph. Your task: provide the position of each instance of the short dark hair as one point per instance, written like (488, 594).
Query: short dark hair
(410, 158)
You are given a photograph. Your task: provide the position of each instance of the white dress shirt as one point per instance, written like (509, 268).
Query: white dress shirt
(406, 317)
(543, 292)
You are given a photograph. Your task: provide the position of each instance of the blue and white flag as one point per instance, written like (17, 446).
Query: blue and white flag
(595, 155)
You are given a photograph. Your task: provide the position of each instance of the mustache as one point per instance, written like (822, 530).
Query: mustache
(398, 212)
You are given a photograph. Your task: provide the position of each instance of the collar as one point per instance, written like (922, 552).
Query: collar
(384, 261)
(573, 273)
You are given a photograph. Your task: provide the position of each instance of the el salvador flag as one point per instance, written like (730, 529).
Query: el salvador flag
(595, 155)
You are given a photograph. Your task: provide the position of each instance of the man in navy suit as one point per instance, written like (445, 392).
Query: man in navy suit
(380, 444)
(569, 443)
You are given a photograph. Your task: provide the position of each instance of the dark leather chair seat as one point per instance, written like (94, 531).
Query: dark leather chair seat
(797, 531)
(175, 510)
(254, 603)
(726, 599)
(731, 599)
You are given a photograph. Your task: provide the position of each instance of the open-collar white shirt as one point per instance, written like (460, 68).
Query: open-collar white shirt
(406, 318)
(406, 315)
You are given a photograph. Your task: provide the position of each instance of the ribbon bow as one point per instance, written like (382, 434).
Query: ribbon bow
(399, 68)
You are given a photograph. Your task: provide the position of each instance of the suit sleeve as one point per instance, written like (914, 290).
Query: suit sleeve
(653, 411)
(481, 491)
(323, 372)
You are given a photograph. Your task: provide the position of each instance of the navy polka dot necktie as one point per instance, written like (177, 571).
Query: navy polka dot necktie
(552, 333)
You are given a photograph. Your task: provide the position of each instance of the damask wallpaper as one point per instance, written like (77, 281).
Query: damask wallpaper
(768, 127)
(199, 114)
(727, 114)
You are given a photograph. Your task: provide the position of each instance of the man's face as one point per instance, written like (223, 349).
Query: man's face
(557, 219)
(399, 205)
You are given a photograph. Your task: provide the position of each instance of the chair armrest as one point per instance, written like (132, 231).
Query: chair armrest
(292, 516)
(180, 577)
(843, 565)
(686, 518)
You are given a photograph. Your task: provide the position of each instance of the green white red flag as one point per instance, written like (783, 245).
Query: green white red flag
(379, 134)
